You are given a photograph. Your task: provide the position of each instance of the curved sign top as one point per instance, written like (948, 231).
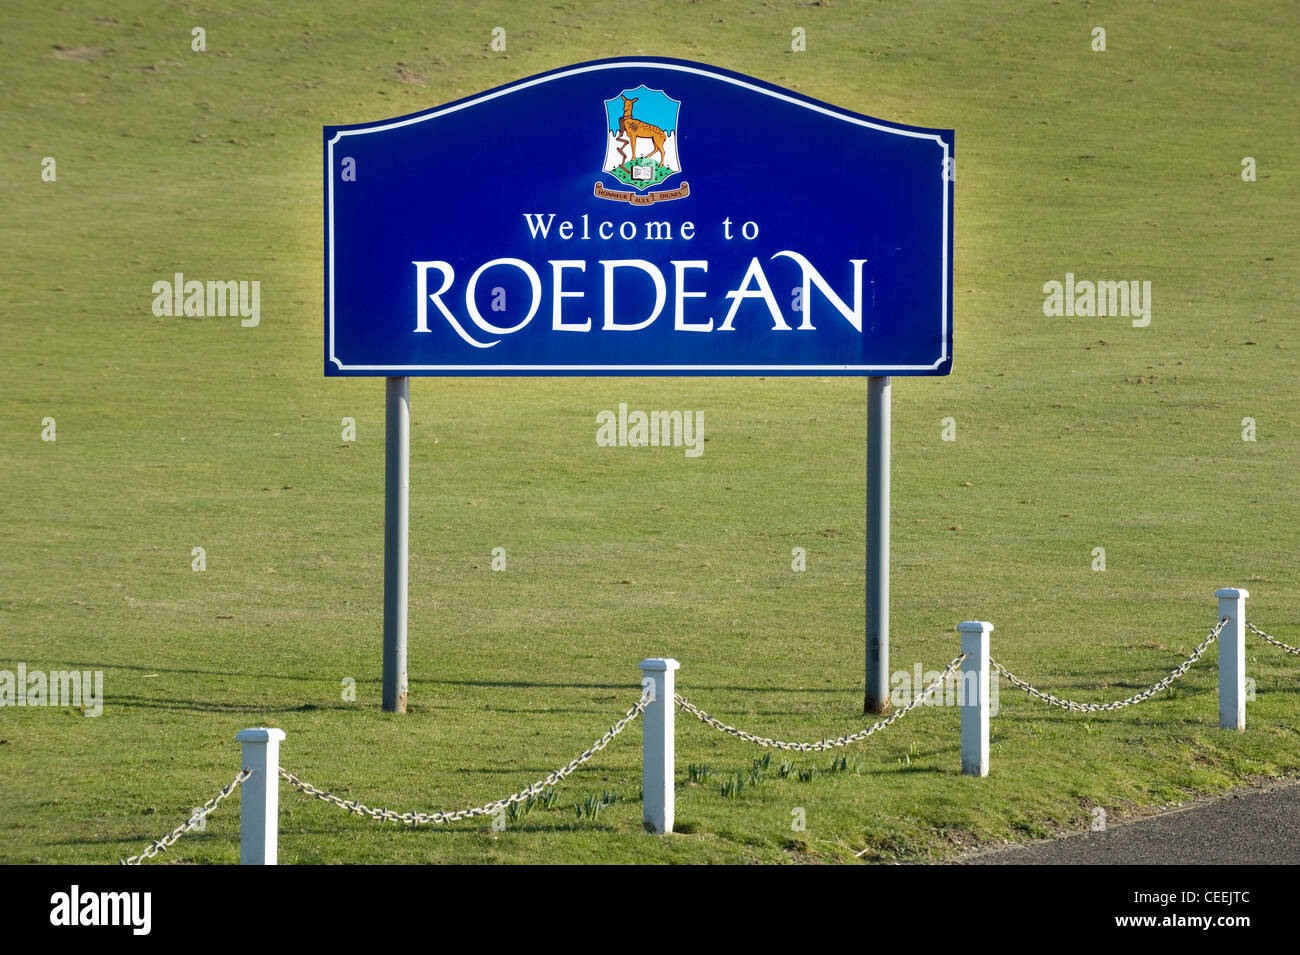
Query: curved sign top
(638, 216)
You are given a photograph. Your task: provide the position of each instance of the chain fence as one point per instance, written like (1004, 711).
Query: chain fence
(421, 818)
(1273, 640)
(1076, 707)
(823, 744)
(197, 820)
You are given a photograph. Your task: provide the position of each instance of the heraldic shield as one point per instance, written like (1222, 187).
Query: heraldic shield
(641, 142)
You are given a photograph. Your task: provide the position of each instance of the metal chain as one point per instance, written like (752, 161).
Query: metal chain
(419, 818)
(1277, 643)
(1146, 694)
(823, 744)
(197, 818)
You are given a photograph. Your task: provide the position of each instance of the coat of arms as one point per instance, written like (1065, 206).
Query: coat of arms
(641, 146)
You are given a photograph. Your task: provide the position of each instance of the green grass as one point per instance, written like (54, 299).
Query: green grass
(1071, 434)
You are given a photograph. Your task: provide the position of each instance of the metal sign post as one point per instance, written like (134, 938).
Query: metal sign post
(877, 692)
(397, 500)
(637, 241)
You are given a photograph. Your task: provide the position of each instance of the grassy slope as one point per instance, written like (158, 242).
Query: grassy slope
(1116, 165)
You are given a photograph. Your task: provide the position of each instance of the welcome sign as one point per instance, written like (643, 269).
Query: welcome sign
(638, 217)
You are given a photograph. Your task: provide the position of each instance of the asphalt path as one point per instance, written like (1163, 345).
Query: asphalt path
(1249, 827)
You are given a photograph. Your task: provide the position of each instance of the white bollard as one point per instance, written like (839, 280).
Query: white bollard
(1232, 658)
(259, 803)
(657, 749)
(975, 697)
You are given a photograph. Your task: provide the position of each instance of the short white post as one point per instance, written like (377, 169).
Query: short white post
(975, 697)
(1232, 658)
(657, 749)
(259, 803)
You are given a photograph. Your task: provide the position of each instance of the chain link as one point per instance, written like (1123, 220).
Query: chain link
(420, 818)
(1277, 643)
(1146, 694)
(196, 820)
(823, 744)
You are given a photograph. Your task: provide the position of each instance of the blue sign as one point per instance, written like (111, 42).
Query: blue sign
(638, 216)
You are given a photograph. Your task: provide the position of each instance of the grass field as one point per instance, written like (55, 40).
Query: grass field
(1071, 434)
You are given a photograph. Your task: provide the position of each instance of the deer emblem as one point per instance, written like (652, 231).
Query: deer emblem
(633, 129)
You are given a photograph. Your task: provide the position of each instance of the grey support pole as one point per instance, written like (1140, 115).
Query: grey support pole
(397, 487)
(877, 692)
